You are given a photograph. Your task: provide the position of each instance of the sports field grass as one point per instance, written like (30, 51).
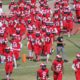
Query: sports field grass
(27, 71)
(5, 2)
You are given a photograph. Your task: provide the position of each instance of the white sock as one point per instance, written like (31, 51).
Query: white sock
(7, 76)
(69, 34)
(30, 53)
(48, 57)
(2, 59)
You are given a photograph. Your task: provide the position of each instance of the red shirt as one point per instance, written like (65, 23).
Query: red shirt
(37, 41)
(9, 57)
(77, 6)
(77, 64)
(30, 37)
(47, 39)
(57, 23)
(43, 74)
(16, 45)
(58, 66)
(33, 1)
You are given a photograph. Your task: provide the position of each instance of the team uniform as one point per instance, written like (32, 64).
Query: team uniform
(57, 24)
(10, 62)
(16, 47)
(76, 66)
(43, 73)
(47, 44)
(30, 37)
(77, 8)
(37, 45)
(33, 1)
(57, 67)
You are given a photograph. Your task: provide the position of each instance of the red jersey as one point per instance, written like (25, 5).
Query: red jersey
(30, 37)
(33, 1)
(47, 39)
(57, 23)
(9, 57)
(37, 41)
(58, 66)
(77, 6)
(43, 74)
(18, 37)
(77, 64)
(16, 45)
(69, 17)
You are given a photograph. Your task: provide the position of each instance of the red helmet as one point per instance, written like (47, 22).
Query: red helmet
(78, 55)
(42, 64)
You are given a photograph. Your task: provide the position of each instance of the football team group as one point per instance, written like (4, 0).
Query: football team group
(40, 25)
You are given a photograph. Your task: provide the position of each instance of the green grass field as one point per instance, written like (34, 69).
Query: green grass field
(27, 71)
(5, 2)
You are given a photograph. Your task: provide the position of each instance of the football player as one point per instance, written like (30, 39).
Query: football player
(76, 66)
(43, 73)
(57, 68)
(10, 62)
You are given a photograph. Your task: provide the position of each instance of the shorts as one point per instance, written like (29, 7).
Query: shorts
(9, 68)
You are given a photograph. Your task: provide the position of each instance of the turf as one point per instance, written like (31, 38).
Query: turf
(6, 2)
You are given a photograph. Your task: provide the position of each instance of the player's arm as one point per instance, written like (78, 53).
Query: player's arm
(73, 67)
(53, 68)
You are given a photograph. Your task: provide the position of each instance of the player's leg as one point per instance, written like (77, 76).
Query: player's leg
(38, 53)
(55, 77)
(68, 29)
(30, 49)
(30, 55)
(59, 76)
(10, 70)
(7, 76)
(7, 71)
(48, 49)
(47, 58)
(18, 55)
(77, 75)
